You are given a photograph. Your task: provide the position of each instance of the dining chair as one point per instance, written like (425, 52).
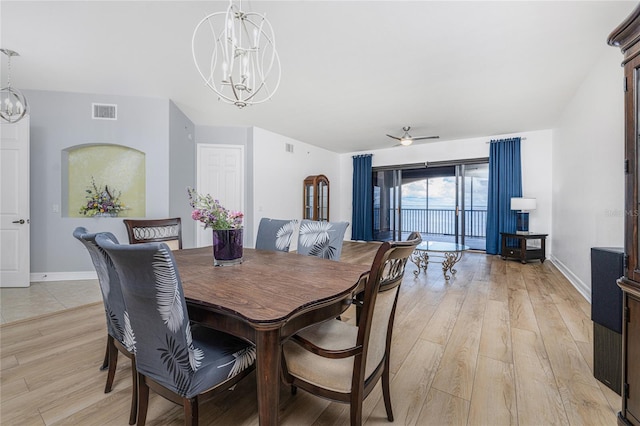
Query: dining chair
(183, 363)
(321, 238)
(275, 234)
(343, 362)
(118, 340)
(168, 231)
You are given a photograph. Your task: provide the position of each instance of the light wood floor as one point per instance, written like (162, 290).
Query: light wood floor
(501, 343)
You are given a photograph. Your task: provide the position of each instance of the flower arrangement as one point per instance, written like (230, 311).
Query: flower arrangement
(101, 200)
(210, 212)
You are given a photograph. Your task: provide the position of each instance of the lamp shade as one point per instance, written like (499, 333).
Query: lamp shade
(523, 204)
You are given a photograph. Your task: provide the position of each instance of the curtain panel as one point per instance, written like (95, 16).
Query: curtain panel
(362, 213)
(505, 181)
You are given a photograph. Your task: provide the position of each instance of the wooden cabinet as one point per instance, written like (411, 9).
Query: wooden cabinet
(315, 198)
(627, 37)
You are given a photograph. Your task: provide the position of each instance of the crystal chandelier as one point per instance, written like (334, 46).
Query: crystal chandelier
(13, 104)
(235, 54)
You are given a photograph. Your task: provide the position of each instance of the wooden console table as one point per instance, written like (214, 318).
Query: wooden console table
(521, 251)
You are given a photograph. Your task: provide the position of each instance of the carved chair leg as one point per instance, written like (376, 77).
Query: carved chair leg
(134, 393)
(190, 411)
(143, 400)
(113, 363)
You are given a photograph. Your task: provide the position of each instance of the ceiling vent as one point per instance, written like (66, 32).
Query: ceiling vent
(104, 111)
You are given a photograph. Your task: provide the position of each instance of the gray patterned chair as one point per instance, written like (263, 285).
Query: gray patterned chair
(275, 234)
(117, 317)
(321, 239)
(343, 362)
(184, 363)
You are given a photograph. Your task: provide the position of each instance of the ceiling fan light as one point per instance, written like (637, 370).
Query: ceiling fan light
(406, 141)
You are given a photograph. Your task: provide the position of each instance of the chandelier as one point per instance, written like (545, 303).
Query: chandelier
(235, 53)
(13, 104)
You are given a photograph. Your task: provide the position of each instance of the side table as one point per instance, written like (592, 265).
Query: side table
(521, 251)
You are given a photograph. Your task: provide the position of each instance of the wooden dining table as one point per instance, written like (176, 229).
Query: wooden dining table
(266, 299)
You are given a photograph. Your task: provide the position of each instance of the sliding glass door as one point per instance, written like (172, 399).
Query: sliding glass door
(444, 202)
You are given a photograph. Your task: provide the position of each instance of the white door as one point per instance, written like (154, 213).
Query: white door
(220, 172)
(14, 204)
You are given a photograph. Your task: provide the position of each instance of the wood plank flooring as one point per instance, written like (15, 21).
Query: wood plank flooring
(501, 343)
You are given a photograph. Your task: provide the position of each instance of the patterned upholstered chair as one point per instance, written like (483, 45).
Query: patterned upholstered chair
(155, 230)
(321, 239)
(343, 362)
(184, 363)
(275, 234)
(117, 317)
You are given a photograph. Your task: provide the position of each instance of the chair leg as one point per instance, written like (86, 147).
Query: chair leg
(113, 363)
(190, 411)
(134, 393)
(143, 400)
(356, 411)
(386, 393)
(105, 363)
(294, 390)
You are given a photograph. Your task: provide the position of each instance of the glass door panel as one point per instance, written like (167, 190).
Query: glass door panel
(387, 223)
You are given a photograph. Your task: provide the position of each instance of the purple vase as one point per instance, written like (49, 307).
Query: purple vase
(227, 246)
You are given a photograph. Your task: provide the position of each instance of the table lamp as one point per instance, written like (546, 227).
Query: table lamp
(524, 206)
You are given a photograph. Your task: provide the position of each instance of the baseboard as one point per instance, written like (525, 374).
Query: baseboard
(576, 282)
(62, 276)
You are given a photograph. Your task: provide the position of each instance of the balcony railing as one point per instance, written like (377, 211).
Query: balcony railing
(439, 221)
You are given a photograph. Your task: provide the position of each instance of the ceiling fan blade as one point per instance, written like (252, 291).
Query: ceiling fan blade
(394, 137)
(425, 137)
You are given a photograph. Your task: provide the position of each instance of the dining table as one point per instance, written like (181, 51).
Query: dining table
(266, 299)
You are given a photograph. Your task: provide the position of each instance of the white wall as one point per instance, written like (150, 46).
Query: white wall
(588, 175)
(536, 168)
(278, 177)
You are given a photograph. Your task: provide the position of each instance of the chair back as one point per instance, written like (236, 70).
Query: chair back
(379, 299)
(168, 231)
(321, 238)
(275, 234)
(153, 293)
(114, 306)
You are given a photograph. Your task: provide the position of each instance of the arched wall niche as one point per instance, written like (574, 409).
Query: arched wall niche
(119, 167)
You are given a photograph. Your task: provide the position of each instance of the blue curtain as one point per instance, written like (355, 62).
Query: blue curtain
(505, 181)
(362, 215)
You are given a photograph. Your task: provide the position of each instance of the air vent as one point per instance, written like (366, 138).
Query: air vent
(288, 147)
(105, 111)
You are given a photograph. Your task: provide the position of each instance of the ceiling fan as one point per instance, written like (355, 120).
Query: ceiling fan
(406, 139)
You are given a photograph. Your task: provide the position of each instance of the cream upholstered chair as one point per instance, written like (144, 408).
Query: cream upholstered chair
(116, 313)
(168, 231)
(343, 362)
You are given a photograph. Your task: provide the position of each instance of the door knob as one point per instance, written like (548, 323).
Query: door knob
(21, 221)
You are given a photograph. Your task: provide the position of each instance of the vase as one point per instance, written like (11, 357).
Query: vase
(106, 214)
(227, 247)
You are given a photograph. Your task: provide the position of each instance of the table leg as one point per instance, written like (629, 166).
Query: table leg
(421, 260)
(450, 259)
(268, 375)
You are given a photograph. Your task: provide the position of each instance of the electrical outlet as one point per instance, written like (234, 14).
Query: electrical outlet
(55, 208)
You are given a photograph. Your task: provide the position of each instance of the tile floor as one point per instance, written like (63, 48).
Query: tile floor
(46, 297)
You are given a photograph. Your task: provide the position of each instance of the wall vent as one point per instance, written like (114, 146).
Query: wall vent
(104, 111)
(288, 147)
